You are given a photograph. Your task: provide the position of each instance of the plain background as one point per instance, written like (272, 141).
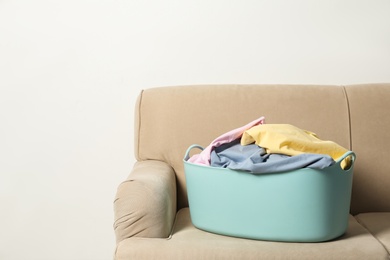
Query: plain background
(70, 72)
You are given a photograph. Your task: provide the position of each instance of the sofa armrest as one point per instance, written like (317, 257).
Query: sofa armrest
(145, 203)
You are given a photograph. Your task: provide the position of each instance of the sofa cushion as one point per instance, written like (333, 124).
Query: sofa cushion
(188, 242)
(378, 224)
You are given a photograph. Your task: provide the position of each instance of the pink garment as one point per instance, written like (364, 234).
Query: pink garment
(204, 157)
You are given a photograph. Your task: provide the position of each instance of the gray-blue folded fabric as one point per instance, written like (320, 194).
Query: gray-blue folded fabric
(254, 159)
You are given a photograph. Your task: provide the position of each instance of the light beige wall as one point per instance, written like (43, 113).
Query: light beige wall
(70, 72)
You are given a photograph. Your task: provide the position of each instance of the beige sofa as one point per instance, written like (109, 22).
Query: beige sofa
(152, 219)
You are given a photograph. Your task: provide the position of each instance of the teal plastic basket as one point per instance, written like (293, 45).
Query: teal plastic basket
(305, 205)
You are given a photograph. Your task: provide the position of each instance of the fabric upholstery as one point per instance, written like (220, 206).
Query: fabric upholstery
(378, 224)
(145, 204)
(370, 133)
(152, 218)
(188, 242)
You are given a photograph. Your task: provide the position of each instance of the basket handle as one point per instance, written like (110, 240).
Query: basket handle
(187, 154)
(346, 155)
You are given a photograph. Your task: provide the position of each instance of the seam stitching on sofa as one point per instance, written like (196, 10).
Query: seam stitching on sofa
(349, 117)
(369, 231)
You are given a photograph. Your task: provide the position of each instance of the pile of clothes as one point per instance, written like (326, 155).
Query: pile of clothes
(268, 148)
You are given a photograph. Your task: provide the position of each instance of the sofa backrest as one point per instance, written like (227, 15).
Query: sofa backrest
(170, 119)
(370, 138)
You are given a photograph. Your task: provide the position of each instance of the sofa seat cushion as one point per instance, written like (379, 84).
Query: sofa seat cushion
(378, 224)
(188, 242)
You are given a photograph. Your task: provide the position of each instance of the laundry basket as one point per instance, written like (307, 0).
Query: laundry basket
(304, 205)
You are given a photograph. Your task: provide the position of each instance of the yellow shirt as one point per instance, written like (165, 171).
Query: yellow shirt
(290, 140)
